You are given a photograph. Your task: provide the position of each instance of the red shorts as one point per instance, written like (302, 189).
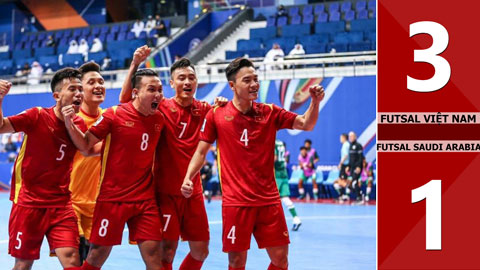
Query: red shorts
(27, 226)
(109, 220)
(267, 223)
(184, 217)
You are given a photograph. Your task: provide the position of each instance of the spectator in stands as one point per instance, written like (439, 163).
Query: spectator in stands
(274, 54)
(297, 50)
(50, 41)
(106, 63)
(281, 12)
(160, 28)
(151, 23)
(73, 48)
(97, 46)
(35, 74)
(138, 27)
(24, 71)
(206, 175)
(11, 149)
(83, 49)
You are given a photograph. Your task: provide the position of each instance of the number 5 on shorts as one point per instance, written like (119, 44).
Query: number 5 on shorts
(231, 234)
(19, 240)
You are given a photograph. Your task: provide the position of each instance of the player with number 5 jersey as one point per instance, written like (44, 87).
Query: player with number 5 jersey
(245, 133)
(130, 133)
(41, 199)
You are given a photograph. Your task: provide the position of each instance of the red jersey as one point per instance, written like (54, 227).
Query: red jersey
(245, 145)
(130, 139)
(41, 174)
(177, 145)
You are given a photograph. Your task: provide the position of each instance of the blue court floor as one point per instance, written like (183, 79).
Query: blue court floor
(331, 237)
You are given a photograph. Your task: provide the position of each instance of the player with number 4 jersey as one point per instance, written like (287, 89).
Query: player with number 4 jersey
(41, 199)
(130, 133)
(245, 133)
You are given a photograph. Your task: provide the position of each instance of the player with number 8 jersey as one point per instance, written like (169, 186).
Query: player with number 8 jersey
(245, 132)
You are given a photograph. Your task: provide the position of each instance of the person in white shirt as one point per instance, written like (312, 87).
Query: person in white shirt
(274, 54)
(97, 46)
(138, 27)
(73, 48)
(35, 74)
(83, 48)
(297, 50)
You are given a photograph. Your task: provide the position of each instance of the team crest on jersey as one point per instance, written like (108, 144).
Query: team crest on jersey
(129, 123)
(98, 121)
(196, 112)
(228, 117)
(173, 109)
(259, 118)
(285, 233)
(158, 127)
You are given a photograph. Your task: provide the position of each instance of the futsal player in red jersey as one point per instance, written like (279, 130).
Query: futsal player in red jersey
(245, 133)
(130, 132)
(41, 199)
(184, 116)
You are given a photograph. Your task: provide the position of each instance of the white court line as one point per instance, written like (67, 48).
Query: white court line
(216, 222)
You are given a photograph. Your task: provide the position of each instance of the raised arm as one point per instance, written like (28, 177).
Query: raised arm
(308, 120)
(5, 125)
(193, 168)
(139, 56)
(84, 142)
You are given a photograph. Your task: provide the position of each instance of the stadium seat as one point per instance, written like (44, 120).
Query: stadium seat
(317, 39)
(73, 59)
(121, 36)
(334, 16)
(18, 54)
(249, 44)
(22, 61)
(361, 5)
(256, 53)
(110, 37)
(104, 29)
(307, 18)
(143, 35)
(295, 30)
(319, 9)
(130, 35)
(76, 32)
(334, 7)
(374, 14)
(4, 55)
(282, 21)
(328, 183)
(233, 54)
(297, 19)
(32, 37)
(339, 47)
(346, 6)
(293, 11)
(362, 14)
(315, 48)
(6, 67)
(372, 4)
(90, 39)
(114, 29)
(97, 57)
(85, 32)
(124, 27)
(359, 46)
(349, 15)
(263, 33)
(49, 61)
(322, 17)
(363, 25)
(44, 51)
(271, 21)
(330, 27)
(96, 31)
(287, 43)
(42, 35)
(307, 10)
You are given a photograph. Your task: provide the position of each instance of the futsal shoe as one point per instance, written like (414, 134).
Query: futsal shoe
(296, 224)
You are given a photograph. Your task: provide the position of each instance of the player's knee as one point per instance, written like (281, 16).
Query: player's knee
(168, 252)
(281, 260)
(200, 254)
(22, 265)
(236, 260)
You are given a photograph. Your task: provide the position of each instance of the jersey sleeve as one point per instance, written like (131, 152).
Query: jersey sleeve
(102, 127)
(208, 132)
(80, 123)
(23, 121)
(283, 118)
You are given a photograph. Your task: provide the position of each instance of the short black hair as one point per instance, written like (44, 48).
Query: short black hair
(303, 148)
(88, 67)
(309, 141)
(137, 77)
(64, 73)
(234, 66)
(345, 135)
(181, 63)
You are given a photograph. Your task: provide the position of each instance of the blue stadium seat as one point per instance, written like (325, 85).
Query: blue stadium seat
(323, 38)
(334, 7)
(328, 183)
(359, 46)
(130, 36)
(263, 33)
(372, 4)
(124, 27)
(62, 49)
(297, 19)
(24, 38)
(281, 21)
(293, 11)
(143, 35)
(102, 37)
(371, 36)
(307, 10)
(330, 27)
(256, 53)
(76, 32)
(104, 29)
(361, 5)
(349, 15)
(19, 46)
(271, 21)
(114, 29)
(322, 17)
(44, 51)
(307, 18)
(295, 30)
(90, 39)
(32, 37)
(67, 33)
(27, 45)
(374, 13)
(346, 6)
(6, 67)
(287, 43)
(22, 61)
(18, 54)
(362, 14)
(249, 44)
(96, 30)
(339, 47)
(86, 31)
(363, 25)
(36, 44)
(334, 16)
(315, 48)
(319, 9)
(4, 55)
(229, 55)
(122, 36)
(97, 57)
(74, 60)
(345, 37)
(49, 61)
(110, 37)
(42, 35)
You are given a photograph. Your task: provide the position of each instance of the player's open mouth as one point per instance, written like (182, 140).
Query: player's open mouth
(253, 92)
(98, 93)
(188, 90)
(154, 105)
(77, 102)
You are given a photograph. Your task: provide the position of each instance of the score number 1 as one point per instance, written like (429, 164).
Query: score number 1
(432, 192)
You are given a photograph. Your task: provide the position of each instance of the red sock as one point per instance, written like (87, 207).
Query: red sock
(189, 263)
(233, 268)
(166, 265)
(273, 267)
(86, 266)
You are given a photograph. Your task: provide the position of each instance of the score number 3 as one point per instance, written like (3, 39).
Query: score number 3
(442, 68)
(432, 192)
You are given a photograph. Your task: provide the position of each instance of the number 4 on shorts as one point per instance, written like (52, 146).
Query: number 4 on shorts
(231, 234)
